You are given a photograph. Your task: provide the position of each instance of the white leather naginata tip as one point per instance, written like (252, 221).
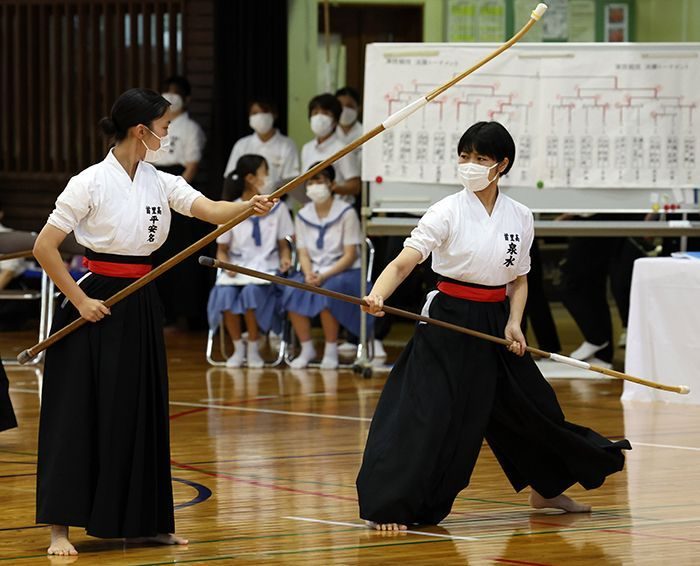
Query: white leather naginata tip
(537, 12)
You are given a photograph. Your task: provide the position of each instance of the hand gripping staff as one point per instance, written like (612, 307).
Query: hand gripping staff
(390, 122)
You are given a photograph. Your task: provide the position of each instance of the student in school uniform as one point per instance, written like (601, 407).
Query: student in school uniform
(324, 113)
(257, 243)
(279, 151)
(327, 236)
(183, 288)
(186, 137)
(448, 391)
(104, 454)
(349, 126)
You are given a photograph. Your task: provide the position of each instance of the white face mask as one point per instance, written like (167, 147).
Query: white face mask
(261, 122)
(318, 192)
(321, 125)
(348, 116)
(176, 102)
(475, 177)
(155, 154)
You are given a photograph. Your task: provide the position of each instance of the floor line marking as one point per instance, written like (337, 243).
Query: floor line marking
(338, 417)
(359, 526)
(270, 411)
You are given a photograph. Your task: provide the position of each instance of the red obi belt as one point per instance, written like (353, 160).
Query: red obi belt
(472, 291)
(112, 265)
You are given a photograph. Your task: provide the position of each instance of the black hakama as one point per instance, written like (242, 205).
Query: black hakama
(449, 391)
(7, 413)
(104, 449)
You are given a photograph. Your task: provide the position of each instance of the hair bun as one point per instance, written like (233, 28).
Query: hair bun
(107, 126)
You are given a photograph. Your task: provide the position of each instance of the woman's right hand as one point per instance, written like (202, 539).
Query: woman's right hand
(375, 304)
(93, 310)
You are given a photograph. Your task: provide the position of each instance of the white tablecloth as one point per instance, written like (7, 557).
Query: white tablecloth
(663, 333)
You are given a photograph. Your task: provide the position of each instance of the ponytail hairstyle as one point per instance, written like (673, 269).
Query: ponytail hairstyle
(133, 107)
(247, 165)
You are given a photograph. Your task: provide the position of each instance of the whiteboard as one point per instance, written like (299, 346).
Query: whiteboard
(596, 126)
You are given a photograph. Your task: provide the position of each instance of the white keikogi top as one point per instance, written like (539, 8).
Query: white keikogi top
(279, 151)
(110, 213)
(187, 142)
(325, 238)
(256, 248)
(345, 168)
(469, 245)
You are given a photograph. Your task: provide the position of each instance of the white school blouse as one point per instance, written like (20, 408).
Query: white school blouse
(187, 142)
(242, 248)
(110, 213)
(354, 133)
(312, 152)
(469, 245)
(279, 151)
(341, 228)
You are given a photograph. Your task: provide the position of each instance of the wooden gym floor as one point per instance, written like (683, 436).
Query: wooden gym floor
(264, 463)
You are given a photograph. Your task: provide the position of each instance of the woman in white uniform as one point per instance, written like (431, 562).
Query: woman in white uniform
(257, 243)
(279, 151)
(448, 391)
(104, 454)
(324, 113)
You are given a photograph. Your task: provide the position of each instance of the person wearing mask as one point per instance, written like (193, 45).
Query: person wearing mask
(104, 447)
(279, 151)
(448, 392)
(324, 114)
(328, 235)
(256, 243)
(183, 289)
(349, 126)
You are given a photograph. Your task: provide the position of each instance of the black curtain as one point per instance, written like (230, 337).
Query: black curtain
(251, 60)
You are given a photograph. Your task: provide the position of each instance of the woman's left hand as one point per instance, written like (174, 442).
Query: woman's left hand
(262, 204)
(514, 335)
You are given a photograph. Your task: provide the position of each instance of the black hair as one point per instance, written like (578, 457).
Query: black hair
(133, 107)
(349, 91)
(328, 102)
(247, 164)
(490, 139)
(267, 104)
(181, 84)
(328, 172)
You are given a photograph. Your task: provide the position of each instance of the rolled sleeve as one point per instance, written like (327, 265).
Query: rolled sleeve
(430, 233)
(180, 194)
(72, 205)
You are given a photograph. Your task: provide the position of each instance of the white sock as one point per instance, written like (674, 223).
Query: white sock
(254, 359)
(330, 356)
(238, 357)
(308, 353)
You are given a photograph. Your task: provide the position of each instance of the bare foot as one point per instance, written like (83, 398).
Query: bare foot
(386, 526)
(559, 502)
(60, 545)
(160, 538)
